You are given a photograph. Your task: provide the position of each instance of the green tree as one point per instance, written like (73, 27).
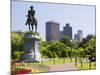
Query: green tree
(73, 52)
(64, 53)
(84, 42)
(17, 41)
(66, 40)
(43, 47)
(17, 55)
(81, 52)
(16, 44)
(44, 53)
(91, 47)
(54, 55)
(58, 54)
(49, 54)
(56, 47)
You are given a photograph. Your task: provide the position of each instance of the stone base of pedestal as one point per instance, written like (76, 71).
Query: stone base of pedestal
(30, 58)
(31, 48)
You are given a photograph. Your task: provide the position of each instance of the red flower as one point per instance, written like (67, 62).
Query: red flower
(23, 71)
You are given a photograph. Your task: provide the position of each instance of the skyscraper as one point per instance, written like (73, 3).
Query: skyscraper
(52, 31)
(67, 31)
(78, 36)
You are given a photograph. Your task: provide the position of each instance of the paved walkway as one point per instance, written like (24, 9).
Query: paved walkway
(62, 67)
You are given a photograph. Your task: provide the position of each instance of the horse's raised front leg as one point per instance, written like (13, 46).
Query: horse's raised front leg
(26, 23)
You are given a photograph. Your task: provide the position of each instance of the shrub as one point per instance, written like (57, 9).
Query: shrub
(49, 54)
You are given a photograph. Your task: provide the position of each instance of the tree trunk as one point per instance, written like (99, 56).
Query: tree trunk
(90, 64)
(63, 60)
(70, 59)
(86, 59)
(81, 63)
(75, 61)
(42, 62)
(54, 60)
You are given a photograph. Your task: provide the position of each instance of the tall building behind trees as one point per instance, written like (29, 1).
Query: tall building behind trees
(79, 35)
(52, 31)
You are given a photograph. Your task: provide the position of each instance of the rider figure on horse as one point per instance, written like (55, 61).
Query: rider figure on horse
(31, 20)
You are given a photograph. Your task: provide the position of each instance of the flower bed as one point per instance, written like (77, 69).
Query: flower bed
(23, 71)
(26, 68)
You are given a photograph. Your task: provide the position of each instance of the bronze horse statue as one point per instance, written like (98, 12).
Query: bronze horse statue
(31, 23)
(31, 20)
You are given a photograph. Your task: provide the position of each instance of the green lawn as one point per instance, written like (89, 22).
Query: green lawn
(86, 66)
(53, 61)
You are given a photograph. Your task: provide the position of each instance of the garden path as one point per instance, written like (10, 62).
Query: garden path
(62, 67)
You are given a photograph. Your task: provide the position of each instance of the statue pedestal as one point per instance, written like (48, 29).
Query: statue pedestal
(31, 48)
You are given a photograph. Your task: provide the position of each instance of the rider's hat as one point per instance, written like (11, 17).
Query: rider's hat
(31, 7)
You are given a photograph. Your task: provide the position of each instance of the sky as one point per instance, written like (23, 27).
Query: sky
(80, 17)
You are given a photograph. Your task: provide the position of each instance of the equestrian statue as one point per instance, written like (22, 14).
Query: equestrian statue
(31, 20)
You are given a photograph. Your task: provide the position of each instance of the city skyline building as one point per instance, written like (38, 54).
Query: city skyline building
(78, 36)
(67, 31)
(52, 31)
